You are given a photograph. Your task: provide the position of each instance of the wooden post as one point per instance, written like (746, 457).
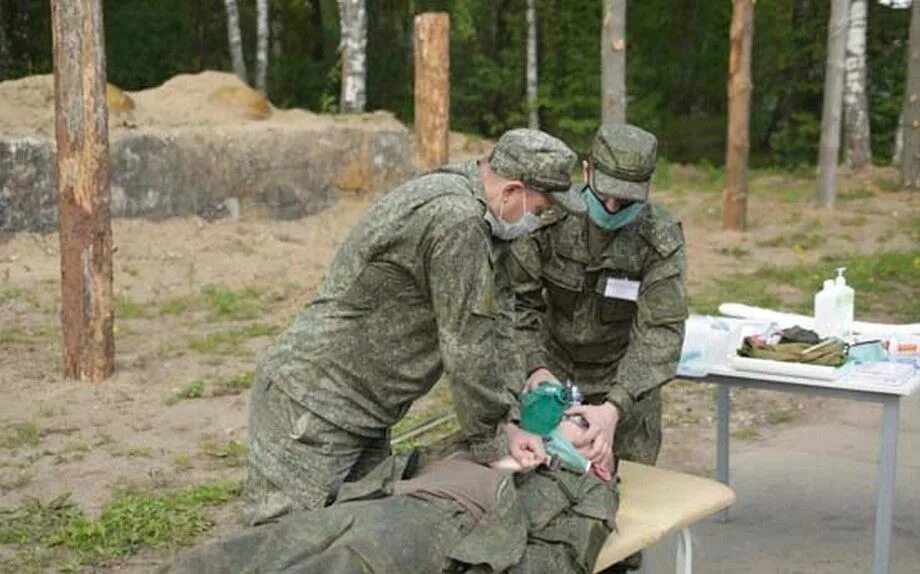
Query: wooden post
(613, 62)
(81, 131)
(734, 198)
(829, 149)
(432, 89)
(910, 154)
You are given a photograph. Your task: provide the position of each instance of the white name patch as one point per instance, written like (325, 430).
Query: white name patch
(622, 289)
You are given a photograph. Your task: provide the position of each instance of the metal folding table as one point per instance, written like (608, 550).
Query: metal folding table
(890, 399)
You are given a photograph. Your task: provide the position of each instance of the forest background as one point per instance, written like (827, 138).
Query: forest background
(677, 60)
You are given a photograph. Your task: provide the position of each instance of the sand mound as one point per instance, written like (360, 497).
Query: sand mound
(187, 100)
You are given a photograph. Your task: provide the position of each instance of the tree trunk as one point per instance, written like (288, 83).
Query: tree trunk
(432, 89)
(199, 34)
(81, 132)
(317, 35)
(829, 148)
(352, 51)
(910, 160)
(262, 46)
(4, 50)
(533, 111)
(898, 150)
(236, 39)
(734, 200)
(613, 62)
(857, 149)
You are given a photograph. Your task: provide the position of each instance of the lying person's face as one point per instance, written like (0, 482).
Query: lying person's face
(577, 435)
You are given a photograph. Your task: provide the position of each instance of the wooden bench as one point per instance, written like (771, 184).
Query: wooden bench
(655, 502)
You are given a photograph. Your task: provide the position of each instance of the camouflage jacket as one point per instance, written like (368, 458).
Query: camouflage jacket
(543, 521)
(566, 314)
(410, 295)
(572, 514)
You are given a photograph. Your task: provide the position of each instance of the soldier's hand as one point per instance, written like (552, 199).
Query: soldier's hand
(524, 447)
(597, 441)
(537, 377)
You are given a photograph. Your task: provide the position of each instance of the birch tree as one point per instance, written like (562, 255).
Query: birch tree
(613, 62)
(829, 148)
(352, 51)
(532, 105)
(910, 159)
(857, 149)
(236, 39)
(261, 45)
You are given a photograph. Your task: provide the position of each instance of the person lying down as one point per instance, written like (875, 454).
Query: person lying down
(447, 515)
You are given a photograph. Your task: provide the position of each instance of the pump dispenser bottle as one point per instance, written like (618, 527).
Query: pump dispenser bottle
(845, 302)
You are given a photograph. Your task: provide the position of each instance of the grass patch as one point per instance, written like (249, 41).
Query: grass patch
(747, 433)
(193, 390)
(781, 417)
(799, 241)
(140, 452)
(125, 308)
(133, 521)
(230, 342)
(182, 462)
(233, 385)
(234, 305)
(176, 305)
(735, 251)
(855, 193)
(13, 294)
(885, 283)
(231, 454)
(857, 220)
(19, 435)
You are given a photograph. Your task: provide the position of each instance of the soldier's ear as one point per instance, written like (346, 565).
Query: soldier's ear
(512, 187)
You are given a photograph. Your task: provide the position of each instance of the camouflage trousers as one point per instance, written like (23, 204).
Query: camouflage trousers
(382, 536)
(297, 459)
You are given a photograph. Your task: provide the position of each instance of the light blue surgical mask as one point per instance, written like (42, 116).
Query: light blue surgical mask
(598, 213)
(510, 231)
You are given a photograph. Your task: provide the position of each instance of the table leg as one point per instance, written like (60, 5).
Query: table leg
(888, 458)
(722, 442)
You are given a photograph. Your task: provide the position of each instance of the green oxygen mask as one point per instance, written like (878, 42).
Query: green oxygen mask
(542, 409)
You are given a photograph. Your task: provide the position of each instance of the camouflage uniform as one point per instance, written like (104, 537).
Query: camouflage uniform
(409, 295)
(545, 521)
(615, 349)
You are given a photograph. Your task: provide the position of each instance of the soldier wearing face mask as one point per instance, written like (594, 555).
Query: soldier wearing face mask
(409, 296)
(600, 296)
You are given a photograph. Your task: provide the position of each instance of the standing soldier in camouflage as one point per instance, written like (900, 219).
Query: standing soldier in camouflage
(410, 295)
(601, 298)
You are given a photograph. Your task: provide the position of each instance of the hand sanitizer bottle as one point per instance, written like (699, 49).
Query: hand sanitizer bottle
(845, 301)
(826, 310)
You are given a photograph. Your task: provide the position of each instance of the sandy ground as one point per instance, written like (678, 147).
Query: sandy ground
(187, 100)
(199, 301)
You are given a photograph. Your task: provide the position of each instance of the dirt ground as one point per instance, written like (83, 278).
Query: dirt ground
(199, 301)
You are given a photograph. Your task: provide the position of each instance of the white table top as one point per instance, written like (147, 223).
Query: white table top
(902, 387)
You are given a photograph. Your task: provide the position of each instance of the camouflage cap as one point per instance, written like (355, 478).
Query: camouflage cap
(536, 159)
(623, 157)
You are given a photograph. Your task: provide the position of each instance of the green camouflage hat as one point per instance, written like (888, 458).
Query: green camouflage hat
(623, 157)
(536, 159)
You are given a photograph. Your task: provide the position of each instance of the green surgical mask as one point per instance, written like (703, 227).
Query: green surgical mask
(603, 218)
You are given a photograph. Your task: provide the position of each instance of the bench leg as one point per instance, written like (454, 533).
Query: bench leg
(684, 558)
